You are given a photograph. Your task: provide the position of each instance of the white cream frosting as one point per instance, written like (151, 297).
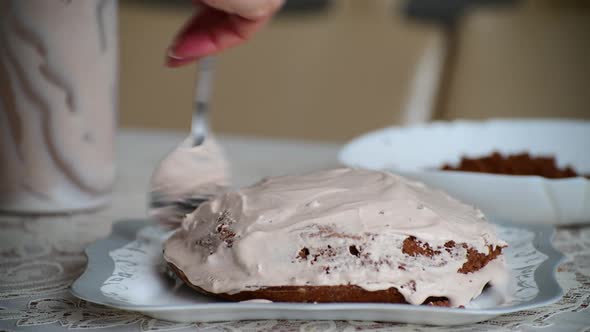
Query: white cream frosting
(353, 221)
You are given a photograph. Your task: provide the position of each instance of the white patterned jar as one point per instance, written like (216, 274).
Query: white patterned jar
(58, 104)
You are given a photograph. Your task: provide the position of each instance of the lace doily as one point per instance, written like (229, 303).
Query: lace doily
(35, 273)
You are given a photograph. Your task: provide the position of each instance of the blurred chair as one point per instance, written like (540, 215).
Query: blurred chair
(427, 93)
(528, 59)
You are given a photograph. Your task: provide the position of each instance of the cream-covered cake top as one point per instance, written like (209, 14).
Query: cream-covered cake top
(336, 227)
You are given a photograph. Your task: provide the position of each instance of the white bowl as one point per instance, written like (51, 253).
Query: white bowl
(417, 152)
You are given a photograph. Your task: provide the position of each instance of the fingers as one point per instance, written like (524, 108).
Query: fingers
(250, 9)
(209, 32)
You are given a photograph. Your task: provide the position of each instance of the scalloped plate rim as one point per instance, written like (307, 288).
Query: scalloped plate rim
(548, 294)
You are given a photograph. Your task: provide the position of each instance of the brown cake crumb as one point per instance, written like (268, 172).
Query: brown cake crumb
(226, 234)
(477, 260)
(449, 245)
(414, 247)
(354, 251)
(303, 253)
(437, 302)
(514, 164)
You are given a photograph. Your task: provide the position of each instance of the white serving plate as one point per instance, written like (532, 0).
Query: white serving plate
(417, 152)
(127, 271)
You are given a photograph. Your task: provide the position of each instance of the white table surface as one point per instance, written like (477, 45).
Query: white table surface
(41, 256)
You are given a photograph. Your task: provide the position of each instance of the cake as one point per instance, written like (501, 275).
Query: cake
(342, 235)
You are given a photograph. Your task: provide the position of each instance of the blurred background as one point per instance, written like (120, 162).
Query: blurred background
(331, 70)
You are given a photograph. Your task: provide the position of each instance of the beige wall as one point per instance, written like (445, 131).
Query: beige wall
(151, 95)
(534, 61)
(336, 75)
(328, 76)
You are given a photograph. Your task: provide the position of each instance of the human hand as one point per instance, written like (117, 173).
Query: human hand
(218, 25)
